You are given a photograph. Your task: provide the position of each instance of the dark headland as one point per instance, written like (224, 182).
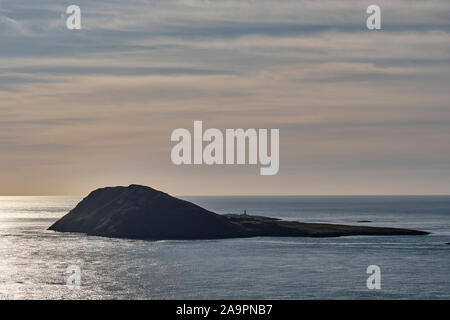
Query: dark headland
(140, 212)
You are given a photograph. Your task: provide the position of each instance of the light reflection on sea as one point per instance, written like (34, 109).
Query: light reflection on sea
(33, 261)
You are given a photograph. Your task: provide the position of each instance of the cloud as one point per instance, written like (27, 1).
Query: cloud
(11, 26)
(102, 102)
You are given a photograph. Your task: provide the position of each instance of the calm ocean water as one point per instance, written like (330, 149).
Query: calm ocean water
(33, 261)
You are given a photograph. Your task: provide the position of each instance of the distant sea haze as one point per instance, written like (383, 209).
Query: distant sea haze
(34, 260)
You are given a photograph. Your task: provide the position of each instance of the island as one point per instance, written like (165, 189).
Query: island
(140, 212)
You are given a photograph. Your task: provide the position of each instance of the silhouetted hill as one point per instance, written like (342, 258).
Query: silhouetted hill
(141, 212)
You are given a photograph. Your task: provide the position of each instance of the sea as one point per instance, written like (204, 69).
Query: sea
(39, 264)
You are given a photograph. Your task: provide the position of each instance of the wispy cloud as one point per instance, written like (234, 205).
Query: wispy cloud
(103, 100)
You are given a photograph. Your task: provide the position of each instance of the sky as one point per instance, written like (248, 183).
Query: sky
(359, 111)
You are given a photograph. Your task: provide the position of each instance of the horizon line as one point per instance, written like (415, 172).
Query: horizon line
(255, 195)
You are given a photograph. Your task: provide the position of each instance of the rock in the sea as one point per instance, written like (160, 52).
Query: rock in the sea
(140, 212)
